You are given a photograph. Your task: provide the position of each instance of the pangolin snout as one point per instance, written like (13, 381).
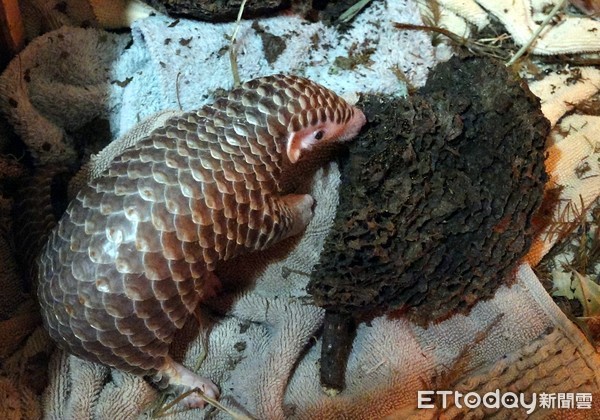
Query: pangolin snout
(354, 125)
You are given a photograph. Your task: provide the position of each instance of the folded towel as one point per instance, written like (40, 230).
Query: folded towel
(259, 339)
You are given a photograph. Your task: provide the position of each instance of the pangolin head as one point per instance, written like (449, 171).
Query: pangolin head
(302, 113)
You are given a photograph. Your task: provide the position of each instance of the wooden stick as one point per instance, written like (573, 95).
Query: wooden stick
(232, 54)
(537, 33)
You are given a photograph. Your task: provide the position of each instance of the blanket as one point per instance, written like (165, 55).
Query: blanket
(259, 340)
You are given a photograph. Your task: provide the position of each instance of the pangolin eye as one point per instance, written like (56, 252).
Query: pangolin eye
(319, 135)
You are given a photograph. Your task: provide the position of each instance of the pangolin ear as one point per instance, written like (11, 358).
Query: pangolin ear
(294, 145)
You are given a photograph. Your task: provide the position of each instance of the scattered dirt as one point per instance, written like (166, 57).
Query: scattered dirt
(273, 45)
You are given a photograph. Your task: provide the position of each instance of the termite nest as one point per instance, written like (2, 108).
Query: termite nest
(437, 198)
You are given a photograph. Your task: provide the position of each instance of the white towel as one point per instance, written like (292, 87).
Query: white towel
(261, 343)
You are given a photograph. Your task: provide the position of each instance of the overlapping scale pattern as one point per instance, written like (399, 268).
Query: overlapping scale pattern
(135, 250)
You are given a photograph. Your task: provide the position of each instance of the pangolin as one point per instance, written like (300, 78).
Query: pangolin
(136, 249)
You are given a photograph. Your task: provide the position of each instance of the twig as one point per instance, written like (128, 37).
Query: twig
(351, 13)
(177, 89)
(473, 46)
(232, 55)
(572, 59)
(537, 33)
(409, 26)
(236, 415)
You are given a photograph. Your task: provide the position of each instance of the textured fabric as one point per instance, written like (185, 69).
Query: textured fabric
(263, 348)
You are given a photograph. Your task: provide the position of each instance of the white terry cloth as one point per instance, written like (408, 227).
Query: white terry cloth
(263, 349)
(188, 60)
(67, 77)
(261, 345)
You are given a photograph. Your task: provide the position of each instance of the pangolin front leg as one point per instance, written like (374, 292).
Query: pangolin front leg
(297, 208)
(135, 251)
(188, 380)
(295, 211)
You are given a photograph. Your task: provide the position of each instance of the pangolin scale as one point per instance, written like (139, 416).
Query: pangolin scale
(135, 250)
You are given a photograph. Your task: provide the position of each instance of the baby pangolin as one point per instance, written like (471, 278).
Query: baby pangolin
(135, 250)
